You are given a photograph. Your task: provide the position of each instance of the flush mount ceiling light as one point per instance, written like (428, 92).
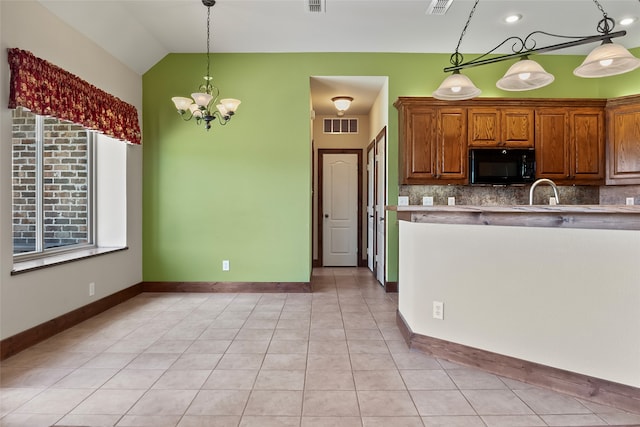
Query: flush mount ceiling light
(203, 105)
(608, 59)
(342, 103)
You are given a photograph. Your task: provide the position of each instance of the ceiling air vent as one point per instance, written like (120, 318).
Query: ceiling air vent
(438, 7)
(315, 6)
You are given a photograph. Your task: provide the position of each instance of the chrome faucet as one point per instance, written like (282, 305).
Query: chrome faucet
(543, 181)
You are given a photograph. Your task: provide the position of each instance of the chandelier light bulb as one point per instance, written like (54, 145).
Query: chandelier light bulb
(606, 62)
(456, 89)
(524, 76)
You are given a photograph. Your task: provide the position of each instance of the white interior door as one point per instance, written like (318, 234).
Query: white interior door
(371, 201)
(381, 200)
(340, 210)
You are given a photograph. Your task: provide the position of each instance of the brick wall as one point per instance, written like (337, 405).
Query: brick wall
(65, 190)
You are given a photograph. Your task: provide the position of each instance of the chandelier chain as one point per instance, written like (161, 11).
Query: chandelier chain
(208, 77)
(457, 58)
(600, 7)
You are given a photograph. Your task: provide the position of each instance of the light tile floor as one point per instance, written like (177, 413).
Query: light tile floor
(331, 358)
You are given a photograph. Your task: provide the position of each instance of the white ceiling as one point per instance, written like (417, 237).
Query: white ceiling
(142, 32)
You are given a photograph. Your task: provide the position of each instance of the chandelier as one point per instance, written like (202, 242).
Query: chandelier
(203, 105)
(608, 59)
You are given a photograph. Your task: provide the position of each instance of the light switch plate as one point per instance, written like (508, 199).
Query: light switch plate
(451, 201)
(427, 201)
(438, 310)
(630, 201)
(403, 200)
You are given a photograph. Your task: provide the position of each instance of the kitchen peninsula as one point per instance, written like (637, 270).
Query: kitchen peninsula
(545, 294)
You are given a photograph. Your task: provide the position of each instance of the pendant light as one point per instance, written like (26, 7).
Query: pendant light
(525, 74)
(608, 59)
(458, 86)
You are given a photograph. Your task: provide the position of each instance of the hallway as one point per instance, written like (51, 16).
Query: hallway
(330, 358)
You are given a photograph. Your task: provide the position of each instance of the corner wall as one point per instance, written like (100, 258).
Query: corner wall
(32, 298)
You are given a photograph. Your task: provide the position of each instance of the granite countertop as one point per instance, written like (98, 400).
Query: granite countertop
(616, 217)
(610, 209)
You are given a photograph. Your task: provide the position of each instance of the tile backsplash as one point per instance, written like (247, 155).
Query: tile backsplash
(501, 195)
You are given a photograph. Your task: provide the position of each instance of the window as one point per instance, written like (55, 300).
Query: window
(52, 185)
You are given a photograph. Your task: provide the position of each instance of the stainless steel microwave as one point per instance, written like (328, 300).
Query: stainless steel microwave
(502, 165)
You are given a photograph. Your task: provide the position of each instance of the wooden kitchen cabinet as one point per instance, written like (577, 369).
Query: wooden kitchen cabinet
(417, 157)
(586, 145)
(623, 141)
(501, 127)
(451, 150)
(568, 136)
(552, 148)
(569, 145)
(434, 145)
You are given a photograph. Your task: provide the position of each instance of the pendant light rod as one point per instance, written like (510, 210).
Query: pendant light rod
(483, 61)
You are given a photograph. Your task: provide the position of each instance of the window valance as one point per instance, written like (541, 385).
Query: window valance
(49, 90)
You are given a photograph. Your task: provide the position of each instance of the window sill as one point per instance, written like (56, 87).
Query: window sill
(50, 261)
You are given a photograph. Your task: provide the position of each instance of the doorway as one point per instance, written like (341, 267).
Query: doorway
(339, 207)
(376, 202)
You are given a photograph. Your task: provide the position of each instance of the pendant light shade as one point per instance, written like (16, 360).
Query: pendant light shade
(608, 59)
(456, 87)
(525, 75)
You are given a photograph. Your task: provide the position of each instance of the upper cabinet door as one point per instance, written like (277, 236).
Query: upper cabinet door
(517, 127)
(501, 127)
(552, 148)
(451, 152)
(418, 148)
(587, 144)
(484, 127)
(623, 146)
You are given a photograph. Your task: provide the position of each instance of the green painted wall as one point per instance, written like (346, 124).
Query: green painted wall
(243, 192)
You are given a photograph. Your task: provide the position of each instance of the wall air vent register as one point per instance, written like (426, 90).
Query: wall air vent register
(340, 126)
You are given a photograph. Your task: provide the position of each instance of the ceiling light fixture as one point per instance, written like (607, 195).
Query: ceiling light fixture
(625, 22)
(342, 103)
(608, 59)
(458, 86)
(202, 105)
(512, 18)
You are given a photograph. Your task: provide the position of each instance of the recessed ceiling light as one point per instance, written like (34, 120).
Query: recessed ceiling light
(627, 21)
(512, 18)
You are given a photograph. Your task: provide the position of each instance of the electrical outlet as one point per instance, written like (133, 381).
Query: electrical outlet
(438, 310)
(451, 201)
(630, 201)
(225, 265)
(553, 201)
(92, 289)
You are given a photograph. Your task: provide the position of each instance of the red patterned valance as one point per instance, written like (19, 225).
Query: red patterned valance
(49, 90)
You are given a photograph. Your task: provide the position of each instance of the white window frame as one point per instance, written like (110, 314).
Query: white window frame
(40, 250)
